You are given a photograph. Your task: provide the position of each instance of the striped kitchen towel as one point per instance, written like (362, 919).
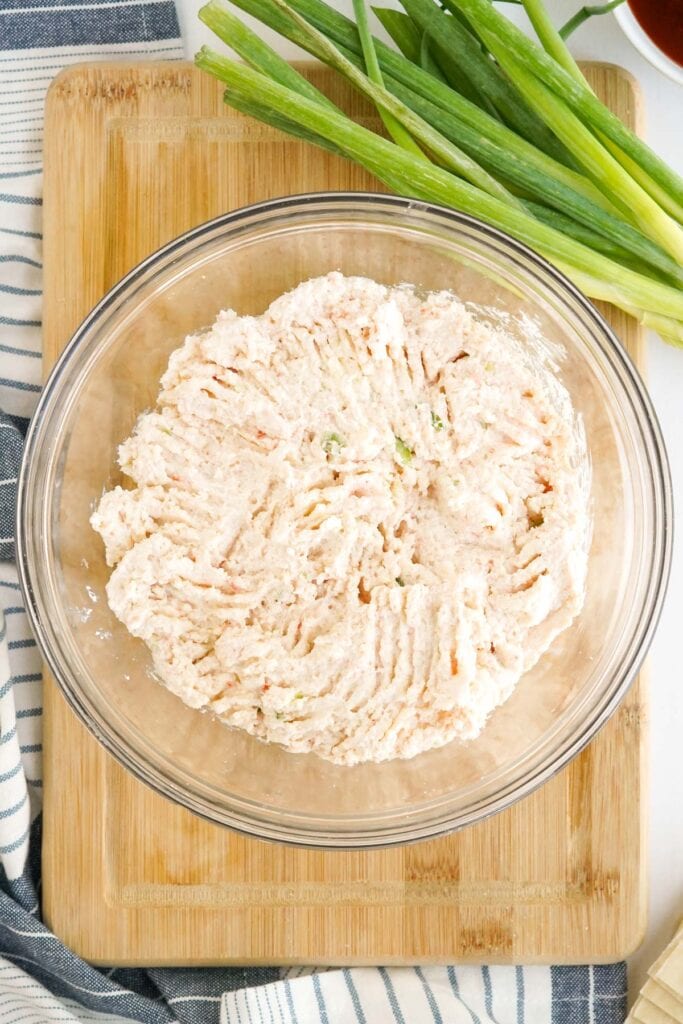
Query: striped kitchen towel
(37, 39)
(440, 995)
(40, 979)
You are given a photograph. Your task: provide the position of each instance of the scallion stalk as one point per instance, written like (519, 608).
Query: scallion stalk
(405, 33)
(600, 164)
(392, 124)
(550, 38)
(584, 13)
(396, 67)
(554, 44)
(413, 176)
(450, 155)
(483, 73)
(607, 215)
(543, 186)
(428, 62)
(402, 30)
(588, 236)
(485, 19)
(458, 81)
(670, 330)
(258, 54)
(212, 62)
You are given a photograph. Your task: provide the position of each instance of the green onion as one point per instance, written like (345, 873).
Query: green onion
(554, 44)
(400, 581)
(452, 35)
(404, 451)
(210, 61)
(458, 80)
(392, 125)
(475, 110)
(607, 171)
(407, 36)
(496, 154)
(402, 30)
(585, 234)
(402, 71)
(258, 54)
(333, 443)
(437, 422)
(492, 139)
(412, 176)
(537, 182)
(584, 13)
(447, 153)
(549, 36)
(507, 38)
(670, 330)
(508, 151)
(427, 61)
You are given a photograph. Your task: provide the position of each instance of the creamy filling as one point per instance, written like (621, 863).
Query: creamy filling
(354, 522)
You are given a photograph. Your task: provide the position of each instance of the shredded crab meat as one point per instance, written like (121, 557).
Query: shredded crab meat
(353, 522)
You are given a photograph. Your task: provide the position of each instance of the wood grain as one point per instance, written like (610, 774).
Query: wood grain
(134, 156)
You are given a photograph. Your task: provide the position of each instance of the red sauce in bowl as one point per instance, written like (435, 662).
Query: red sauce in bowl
(663, 22)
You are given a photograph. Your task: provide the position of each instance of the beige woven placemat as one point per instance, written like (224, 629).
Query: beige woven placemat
(661, 997)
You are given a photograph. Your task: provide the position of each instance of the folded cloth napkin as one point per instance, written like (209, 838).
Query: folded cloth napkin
(440, 995)
(40, 979)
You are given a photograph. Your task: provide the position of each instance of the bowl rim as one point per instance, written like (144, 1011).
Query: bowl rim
(384, 836)
(646, 46)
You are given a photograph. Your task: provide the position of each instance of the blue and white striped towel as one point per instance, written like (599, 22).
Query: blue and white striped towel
(41, 980)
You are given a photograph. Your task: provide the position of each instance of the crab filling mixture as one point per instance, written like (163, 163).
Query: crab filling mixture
(352, 523)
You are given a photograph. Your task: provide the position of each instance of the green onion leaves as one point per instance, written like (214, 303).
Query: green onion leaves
(485, 120)
(404, 451)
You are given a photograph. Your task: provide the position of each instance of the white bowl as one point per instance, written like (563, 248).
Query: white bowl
(638, 36)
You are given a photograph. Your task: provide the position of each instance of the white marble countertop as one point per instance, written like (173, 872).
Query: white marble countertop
(602, 39)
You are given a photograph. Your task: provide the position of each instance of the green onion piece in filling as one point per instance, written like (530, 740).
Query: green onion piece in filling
(333, 443)
(405, 452)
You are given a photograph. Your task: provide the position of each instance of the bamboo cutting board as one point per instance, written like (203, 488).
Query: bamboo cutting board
(134, 155)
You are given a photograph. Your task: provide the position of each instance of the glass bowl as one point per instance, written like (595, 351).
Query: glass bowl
(109, 373)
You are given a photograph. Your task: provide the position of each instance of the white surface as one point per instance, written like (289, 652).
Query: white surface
(602, 39)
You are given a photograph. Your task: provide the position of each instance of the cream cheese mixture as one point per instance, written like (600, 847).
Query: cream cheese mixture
(355, 520)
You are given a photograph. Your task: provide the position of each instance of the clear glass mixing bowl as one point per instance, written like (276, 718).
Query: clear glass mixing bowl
(109, 373)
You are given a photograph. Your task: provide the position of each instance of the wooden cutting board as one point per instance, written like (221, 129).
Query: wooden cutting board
(134, 155)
